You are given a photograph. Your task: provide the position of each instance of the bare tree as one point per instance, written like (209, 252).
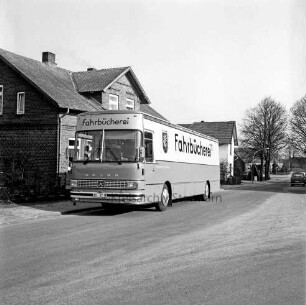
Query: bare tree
(298, 125)
(264, 131)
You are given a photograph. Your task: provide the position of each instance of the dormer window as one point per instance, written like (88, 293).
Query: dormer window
(20, 102)
(113, 102)
(1, 100)
(130, 104)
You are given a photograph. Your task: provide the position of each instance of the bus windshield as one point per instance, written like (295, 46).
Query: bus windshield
(107, 145)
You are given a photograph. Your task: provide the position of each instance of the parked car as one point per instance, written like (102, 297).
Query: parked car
(298, 178)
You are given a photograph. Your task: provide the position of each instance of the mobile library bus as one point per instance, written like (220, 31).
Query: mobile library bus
(132, 158)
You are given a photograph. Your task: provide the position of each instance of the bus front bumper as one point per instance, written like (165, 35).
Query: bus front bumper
(114, 198)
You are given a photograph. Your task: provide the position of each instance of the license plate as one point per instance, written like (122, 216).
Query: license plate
(99, 195)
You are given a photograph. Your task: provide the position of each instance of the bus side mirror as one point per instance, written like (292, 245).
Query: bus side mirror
(141, 154)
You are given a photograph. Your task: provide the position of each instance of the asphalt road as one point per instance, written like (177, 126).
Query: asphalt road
(247, 249)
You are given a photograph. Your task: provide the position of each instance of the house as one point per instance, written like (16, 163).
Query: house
(39, 102)
(239, 164)
(294, 163)
(225, 132)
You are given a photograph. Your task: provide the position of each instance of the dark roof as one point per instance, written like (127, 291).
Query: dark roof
(63, 86)
(185, 125)
(150, 111)
(56, 83)
(100, 80)
(223, 131)
(96, 80)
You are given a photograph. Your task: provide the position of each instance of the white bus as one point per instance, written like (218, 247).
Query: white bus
(132, 158)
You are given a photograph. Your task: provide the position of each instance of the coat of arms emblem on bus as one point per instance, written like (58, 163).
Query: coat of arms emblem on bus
(165, 141)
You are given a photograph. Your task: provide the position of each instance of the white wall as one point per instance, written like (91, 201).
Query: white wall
(223, 151)
(227, 154)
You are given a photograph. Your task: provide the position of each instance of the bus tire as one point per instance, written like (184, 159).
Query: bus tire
(206, 194)
(165, 199)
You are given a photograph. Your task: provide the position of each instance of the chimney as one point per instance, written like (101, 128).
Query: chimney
(48, 58)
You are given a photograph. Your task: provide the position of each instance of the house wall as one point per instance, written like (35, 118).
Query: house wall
(223, 152)
(67, 131)
(226, 152)
(231, 156)
(124, 90)
(28, 147)
(239, 166)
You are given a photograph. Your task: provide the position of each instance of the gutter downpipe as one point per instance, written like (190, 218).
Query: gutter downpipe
(60, 117)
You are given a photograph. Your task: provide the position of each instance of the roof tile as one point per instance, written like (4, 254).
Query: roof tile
(150, 111)
(96, 80)
(223, 131)
(52, 81)
(63, 87)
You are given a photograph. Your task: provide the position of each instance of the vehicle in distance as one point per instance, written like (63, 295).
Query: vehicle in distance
(298, 178)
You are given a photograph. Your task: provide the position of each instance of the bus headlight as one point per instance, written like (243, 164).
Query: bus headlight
(132, 185)
(73, 183)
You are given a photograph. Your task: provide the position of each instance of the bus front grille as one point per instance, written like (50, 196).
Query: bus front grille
(104, 184)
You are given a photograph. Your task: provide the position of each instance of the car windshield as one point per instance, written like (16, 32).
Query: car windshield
(108, 145)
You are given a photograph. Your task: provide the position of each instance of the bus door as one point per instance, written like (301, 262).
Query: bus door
(149, 158)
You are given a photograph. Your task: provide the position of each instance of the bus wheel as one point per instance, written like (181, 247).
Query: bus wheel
(206, 194)
(165, 199)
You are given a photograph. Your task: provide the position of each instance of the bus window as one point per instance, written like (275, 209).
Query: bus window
(117, 145)
(148, 146)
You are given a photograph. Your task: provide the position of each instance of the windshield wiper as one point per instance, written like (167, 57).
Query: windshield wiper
(113, 154)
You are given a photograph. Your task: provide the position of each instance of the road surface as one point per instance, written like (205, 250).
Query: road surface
(247, 249)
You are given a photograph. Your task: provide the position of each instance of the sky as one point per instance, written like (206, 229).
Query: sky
(197, 60)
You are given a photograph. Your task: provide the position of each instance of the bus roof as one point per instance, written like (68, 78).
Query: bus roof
(151, 118)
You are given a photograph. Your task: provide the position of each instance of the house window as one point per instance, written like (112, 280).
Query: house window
(72, 143)
(130, 104)
(1, 100)
(148, 146)
(20, 102)
(113, 102)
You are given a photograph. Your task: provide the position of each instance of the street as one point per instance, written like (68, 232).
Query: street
(244, 246)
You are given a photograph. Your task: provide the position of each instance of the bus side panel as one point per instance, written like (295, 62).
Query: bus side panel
(185, 179)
